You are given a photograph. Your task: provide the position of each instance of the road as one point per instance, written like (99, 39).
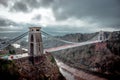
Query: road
(78, 74)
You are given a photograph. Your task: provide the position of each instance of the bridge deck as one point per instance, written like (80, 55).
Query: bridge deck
(69, 46)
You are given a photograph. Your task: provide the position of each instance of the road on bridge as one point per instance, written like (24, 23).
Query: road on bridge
(70, 46)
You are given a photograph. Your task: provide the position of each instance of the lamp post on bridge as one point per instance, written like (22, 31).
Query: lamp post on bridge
(35, 44)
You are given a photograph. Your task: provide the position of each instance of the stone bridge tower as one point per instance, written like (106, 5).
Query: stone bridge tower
(101, 36)
(35, 44)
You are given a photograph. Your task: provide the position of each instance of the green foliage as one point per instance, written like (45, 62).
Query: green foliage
(52, 59)
(8, 69)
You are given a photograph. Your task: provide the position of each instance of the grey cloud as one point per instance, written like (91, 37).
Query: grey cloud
(20, 6)
(47, 3)
(86, 8)
(38, 3)
(4, 2)
(5, 22)
(37, 17)
(32, 3)
(106, 12)
(29, 5)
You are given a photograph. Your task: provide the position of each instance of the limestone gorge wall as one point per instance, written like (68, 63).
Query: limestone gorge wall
(101, 57)
(23, 69)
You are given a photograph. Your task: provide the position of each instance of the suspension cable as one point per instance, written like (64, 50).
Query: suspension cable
(49, 35)
(7, 43)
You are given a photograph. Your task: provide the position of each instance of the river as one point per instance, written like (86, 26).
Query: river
(73, 74)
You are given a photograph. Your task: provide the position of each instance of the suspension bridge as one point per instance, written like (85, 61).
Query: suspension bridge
(36, 45)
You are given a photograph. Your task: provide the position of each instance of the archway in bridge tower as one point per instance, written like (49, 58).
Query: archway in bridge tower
(100, 37)
(31, 48)
(32, 45)
(32, 38)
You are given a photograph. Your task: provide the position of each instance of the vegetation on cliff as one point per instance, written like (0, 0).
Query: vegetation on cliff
(101, 57)
(22, 69)
(8, 70)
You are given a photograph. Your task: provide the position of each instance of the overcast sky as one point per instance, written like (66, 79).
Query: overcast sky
(60, 15)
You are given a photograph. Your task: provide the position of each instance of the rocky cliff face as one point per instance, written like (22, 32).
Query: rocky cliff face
(23, 69)
(101, 57)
